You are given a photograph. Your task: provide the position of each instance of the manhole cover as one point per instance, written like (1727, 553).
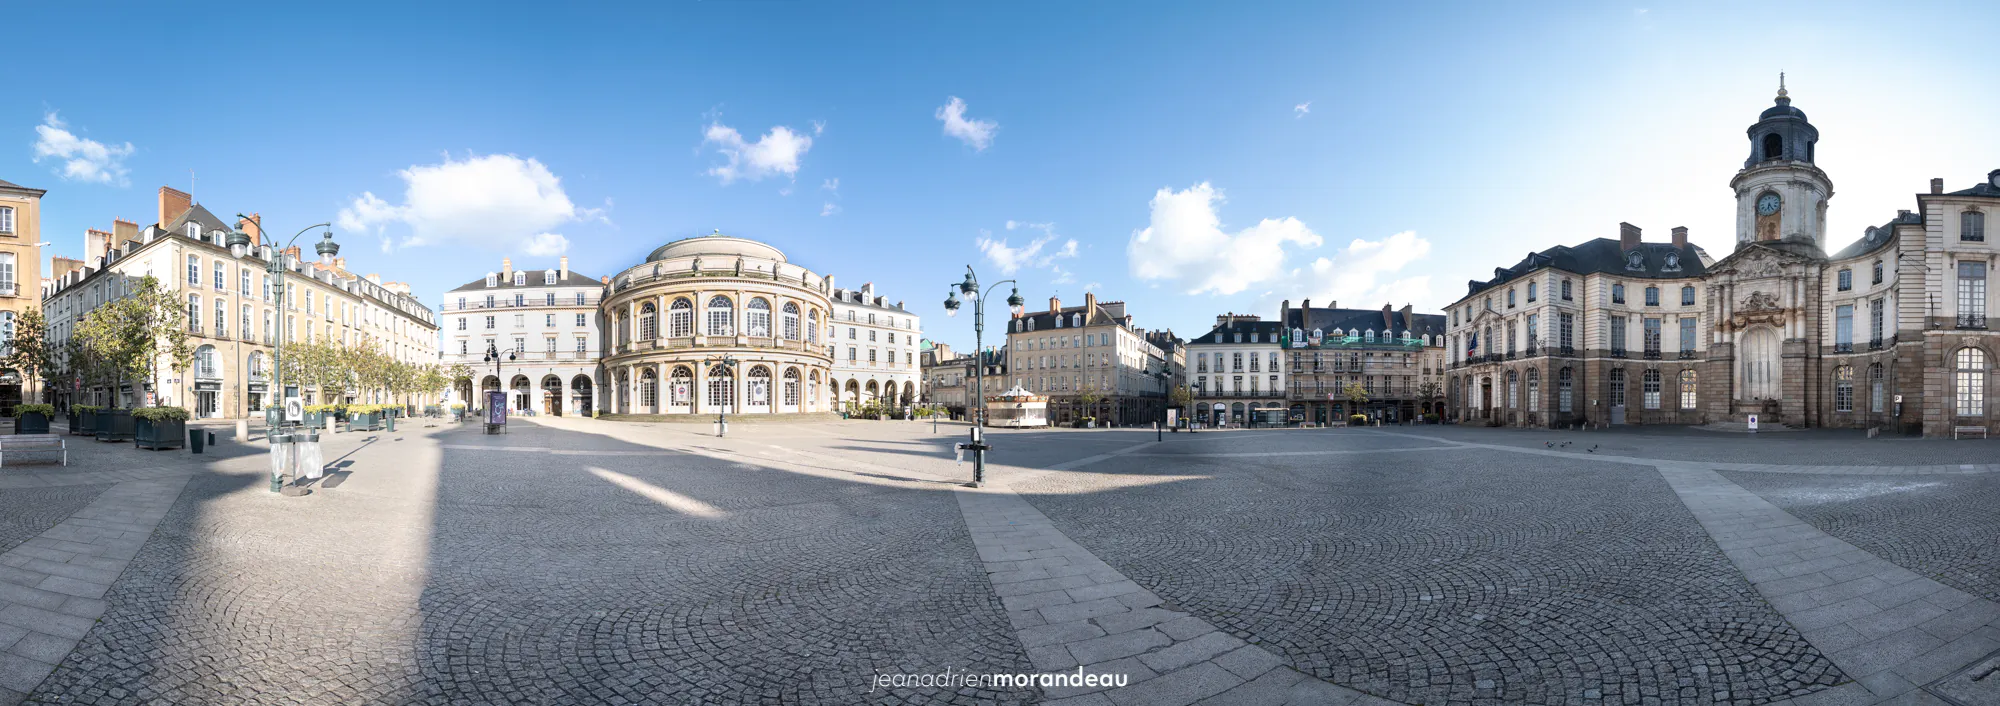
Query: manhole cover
(1975, 685)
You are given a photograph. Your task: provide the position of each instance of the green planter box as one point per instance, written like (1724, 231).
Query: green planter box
(316, 420)
(85, 423)
(167, 434)
(114, 425)
(32, 423)
(371, 421)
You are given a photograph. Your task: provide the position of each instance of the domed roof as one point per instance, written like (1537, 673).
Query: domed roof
(1783, 109)
(716, 244)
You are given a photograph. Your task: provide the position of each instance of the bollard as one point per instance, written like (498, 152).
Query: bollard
(242, 430)
(196, 437)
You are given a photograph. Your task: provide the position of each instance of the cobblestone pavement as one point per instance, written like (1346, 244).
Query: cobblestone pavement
(581, 561)
(1945, 527)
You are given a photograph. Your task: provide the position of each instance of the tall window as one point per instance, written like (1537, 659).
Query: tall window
(579, 299)
(194, 270)
(1972, 226)
(1875, 388)
(1843, 328)
(194, 313)
(649, 322)
(221, 318)
(1617, 387)
(791, 324)
(1510, 298)
(649, 388)
(1617, 294)
(1534, 333)
(1875, 315)
(1534, 390)
(549, 299)
(1565, 290)
(1687, 296)
(1565, 387)
(1652, 296)
(1845, 280)
(1649, 386)
(721, 388)
(221, 276)
(1971, 294)
(1878, 273)
(6, 219)
(1970, 379)
(1531, 292)
(792, 385)
(680, 319)
(245, 331)
(7, 273)
(758, 389)
(1567, 322)
(1513, 391)
(721, 318)
(1843, 388)
(758, 319)
(1687, 389)
(1617, 341)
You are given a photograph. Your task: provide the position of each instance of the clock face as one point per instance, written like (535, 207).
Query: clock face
(1767, 204)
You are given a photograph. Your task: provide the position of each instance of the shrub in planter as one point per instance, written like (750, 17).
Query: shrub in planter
(1359, 420)
(33, 418)
(317, 415)
(84, 419)
(159, 427)
(114, 425)
(364, 417)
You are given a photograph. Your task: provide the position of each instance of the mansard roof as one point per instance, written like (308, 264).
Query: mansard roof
(1877, 237)
(1603, 255)
(1364, 320)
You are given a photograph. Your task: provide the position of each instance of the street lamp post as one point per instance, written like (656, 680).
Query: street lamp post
(728, 364)
(970, 288)
(285, 435)
(493, 356)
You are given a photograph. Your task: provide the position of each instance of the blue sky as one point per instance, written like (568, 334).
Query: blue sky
(1203, 157)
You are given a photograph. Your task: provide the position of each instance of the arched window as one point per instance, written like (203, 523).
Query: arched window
(1774, 147)
(1843, 388)
(1617, 387)
(1972, 226)
(1970, 380)
(721, 317)
(1513, 390)
(649, 322)
(758, 319)
(1059, 321)
(680, 386)
(812, 326)
(204, 363)
(792, 387)
(1298, 335)
(1875, 388)
(791, 323)
(1687, 389)
(1565, 389)
(721, 388)
(1534, 390)
(1369, 336)
(680, 318)
(759, 388)
(1649, 385)
(1076, 320)
(649, 389)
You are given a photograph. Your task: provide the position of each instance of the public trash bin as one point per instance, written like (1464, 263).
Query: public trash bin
(312, 463)
(197, 440)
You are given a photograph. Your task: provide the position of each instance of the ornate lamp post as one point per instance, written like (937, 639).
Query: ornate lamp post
(493, 356)
(284, 435)
(970, 288)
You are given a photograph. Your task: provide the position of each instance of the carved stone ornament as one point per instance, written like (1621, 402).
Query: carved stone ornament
(697, 264)
(1761, 301)
(739, 267)
(1758, 308)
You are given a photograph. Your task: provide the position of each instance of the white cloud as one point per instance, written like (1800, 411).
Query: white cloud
(1012, 259)
(1300, 110)
(500, 202)
(829, 209)
(832, 185)
(1364, 274)
(777, 152)
(819, 127)
(1186, 244)
(1062, 276)
(1093, 286)
(83, 159)
(977, 134)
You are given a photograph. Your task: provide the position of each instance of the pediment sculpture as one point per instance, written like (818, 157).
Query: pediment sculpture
(1761, 301)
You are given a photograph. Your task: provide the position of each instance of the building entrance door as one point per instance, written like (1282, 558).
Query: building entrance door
(1617, 414)
(204, 404)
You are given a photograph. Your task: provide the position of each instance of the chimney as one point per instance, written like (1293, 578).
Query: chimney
(563, 274)
(173, 203)
(1089, 306)
(868, 292)
(1680, 237)
(506, 269)
(377, 279)
(340, 263)
(253, 227)
(123, 230)
(1055, 304)
(605, 279)
(1628, 236)
(95, 243)
(1937, 186)
(1284, 311)
(1388, 316)
(1409, 319)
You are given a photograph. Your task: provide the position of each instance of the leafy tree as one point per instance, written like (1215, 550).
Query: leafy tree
(134, 334)
(1089, 399)
(30, 352)
(1431, 392)
(1356, 394)
(1181, 396)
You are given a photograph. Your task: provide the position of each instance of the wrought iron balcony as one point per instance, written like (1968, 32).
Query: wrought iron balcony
(1971, 321)
(1875, 344)
(1843, 348)
(1687, 355)
(1615, 353)
(1568, 351)
(1652, 355)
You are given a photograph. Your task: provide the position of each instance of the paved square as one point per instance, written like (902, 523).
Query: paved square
(579, 561)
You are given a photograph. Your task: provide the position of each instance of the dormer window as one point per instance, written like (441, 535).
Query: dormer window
(492, 279)
(520, 279)
(1076, 319)
(1239, 338)
(1058, 321)
(1635, 260)
(549, 277)
(1368, 336)
(194, 231)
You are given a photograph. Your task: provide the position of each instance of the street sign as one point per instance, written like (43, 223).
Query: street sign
(295, 410)
(1753, 422)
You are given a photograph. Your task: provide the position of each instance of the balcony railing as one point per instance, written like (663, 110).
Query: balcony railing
(1875, 344)
(1652, 355)
(1617, 353)
(1568, 351)
(1971, 321)
(1687, 355)
(1843, 348)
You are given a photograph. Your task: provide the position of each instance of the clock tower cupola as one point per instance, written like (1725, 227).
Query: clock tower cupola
(1780, 193)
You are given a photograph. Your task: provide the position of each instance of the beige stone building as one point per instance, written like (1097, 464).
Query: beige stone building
(20, 276)
(1068, 354)
(233, 318)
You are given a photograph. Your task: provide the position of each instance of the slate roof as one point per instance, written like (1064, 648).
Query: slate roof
(1985, 188)
(1267, 333)
(534, 280)
(1045, 321)
(197, 214)
(1604, 255)
(1363, 320)
(1876, 238)
(852, 297)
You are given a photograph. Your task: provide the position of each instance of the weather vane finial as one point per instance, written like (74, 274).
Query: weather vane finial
(1781, 84)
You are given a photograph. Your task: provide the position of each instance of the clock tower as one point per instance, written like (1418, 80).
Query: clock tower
(1780, 193)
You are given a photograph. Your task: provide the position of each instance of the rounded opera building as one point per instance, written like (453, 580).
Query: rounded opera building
(717, 323)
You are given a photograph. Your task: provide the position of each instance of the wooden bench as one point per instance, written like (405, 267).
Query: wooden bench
(33, 443)
(1957, 431)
